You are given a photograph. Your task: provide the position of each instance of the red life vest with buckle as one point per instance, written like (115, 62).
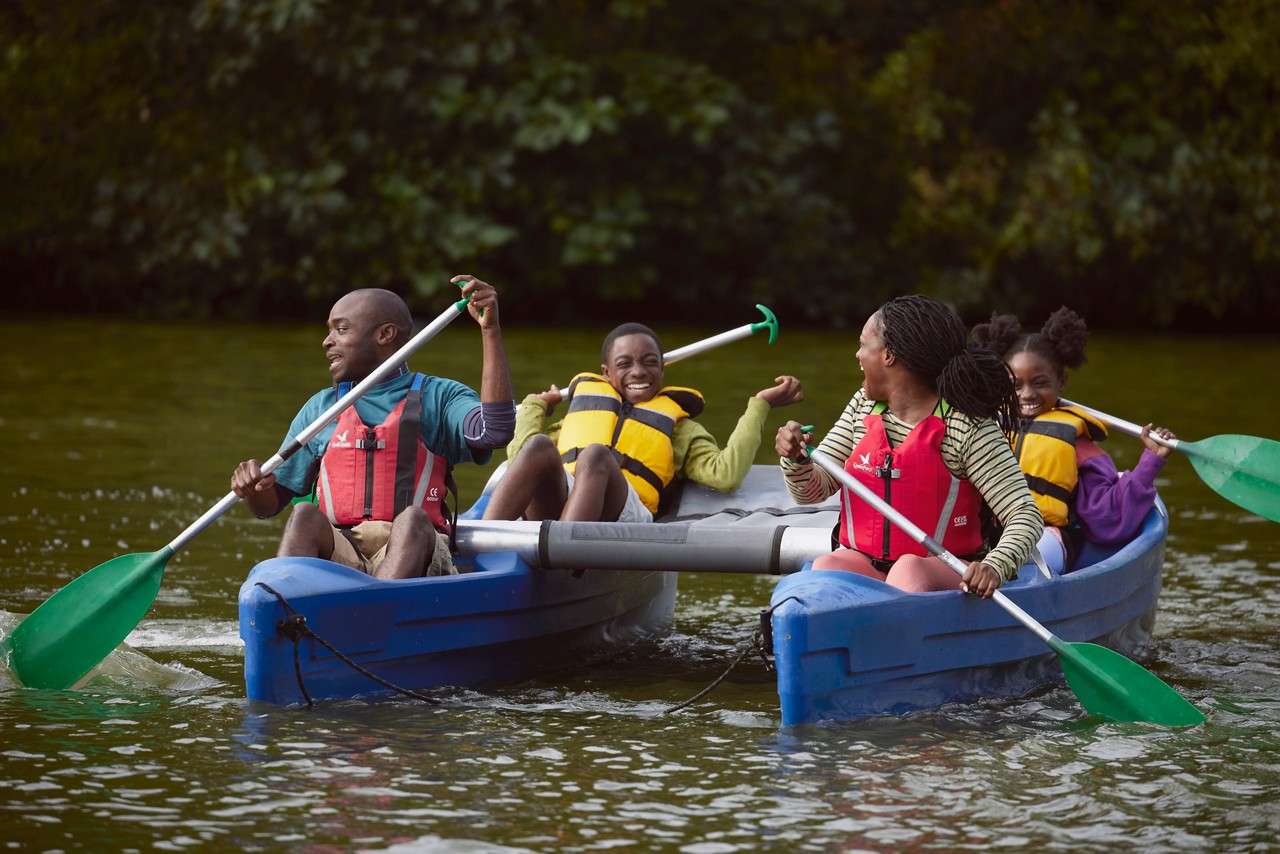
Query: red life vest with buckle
(373, 473)
(915, 481)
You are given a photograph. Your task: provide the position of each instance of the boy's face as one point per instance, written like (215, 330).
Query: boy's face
(634, 367)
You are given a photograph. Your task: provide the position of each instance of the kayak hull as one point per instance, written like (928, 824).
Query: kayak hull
(849, 647)
(501, 622)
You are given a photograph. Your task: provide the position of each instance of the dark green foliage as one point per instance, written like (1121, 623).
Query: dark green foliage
(241, 158)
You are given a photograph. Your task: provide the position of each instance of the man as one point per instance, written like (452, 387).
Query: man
(381, 469)
(624, 441)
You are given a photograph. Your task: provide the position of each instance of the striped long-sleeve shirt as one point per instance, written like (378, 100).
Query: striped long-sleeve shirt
(973, 449)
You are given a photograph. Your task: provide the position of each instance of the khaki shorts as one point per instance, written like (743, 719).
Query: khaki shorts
(364, 547)
(633, 510)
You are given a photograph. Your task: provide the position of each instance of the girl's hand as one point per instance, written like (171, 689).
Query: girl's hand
(980, 580)
(791, 440)
(1152, 445)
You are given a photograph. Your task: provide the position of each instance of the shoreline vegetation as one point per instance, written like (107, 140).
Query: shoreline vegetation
(240, 161)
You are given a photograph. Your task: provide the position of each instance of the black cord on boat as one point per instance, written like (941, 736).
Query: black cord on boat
(294, 626)
(756, 644)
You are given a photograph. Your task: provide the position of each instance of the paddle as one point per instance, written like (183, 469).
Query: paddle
(80, 624)
(1106, 683)
(770, 323)
(1245, 470)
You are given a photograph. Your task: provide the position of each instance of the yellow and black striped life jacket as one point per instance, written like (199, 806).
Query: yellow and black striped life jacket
(1046, 451)
(639, 433)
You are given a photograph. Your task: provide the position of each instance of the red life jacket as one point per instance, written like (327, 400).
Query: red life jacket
(915, 481)
(373, 473)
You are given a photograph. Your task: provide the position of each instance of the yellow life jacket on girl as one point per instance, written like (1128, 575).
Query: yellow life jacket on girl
(639, 433)
(1046, 450)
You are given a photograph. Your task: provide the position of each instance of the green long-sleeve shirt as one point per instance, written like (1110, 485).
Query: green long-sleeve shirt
(697, 456)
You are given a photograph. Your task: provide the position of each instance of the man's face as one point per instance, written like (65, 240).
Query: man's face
(351, 345)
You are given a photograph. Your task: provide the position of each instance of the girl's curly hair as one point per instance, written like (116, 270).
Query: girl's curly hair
(1061, 341)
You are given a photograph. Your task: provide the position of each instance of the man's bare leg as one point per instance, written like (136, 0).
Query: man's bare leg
(409, 547)
(307, 534)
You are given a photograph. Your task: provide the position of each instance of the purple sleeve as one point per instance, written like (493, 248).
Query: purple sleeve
(490, 425)
(1112, 506)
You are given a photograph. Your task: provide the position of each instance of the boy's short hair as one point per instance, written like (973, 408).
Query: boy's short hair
(626, 329)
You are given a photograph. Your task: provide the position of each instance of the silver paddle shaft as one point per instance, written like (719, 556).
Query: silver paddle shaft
(708, 344)
(837, 471)
(1134, 430)
(379, 374)
(681, 353)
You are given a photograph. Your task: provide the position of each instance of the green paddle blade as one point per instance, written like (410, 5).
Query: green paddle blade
(1116, 688)
(1245, 470)
(79, 625)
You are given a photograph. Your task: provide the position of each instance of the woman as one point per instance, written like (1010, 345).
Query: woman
(922, 433)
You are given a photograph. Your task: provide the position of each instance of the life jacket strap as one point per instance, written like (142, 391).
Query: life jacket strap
(407, 446)
(1046, 487)
(626, 463)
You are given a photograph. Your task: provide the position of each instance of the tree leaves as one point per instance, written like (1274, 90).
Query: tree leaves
(265, 157)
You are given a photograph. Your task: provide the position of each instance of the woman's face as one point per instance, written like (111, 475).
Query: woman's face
(634, 367)
(874, 359)
(1037, 383)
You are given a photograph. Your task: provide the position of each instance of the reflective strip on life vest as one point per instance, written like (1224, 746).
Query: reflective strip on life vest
(424, 480)
(325, 494)
(948, 506)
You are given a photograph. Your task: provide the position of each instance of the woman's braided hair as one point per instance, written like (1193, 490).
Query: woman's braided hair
(1061, 341)
(929, 338)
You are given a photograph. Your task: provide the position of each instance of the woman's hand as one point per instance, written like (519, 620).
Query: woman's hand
(980, 580)
(1155, 447)
(791, 441)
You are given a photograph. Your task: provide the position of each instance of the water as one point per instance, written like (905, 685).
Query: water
(113, 437)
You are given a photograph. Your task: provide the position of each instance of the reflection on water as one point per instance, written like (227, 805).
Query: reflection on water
(158, 748)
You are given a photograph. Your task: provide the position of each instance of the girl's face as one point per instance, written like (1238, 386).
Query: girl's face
(1037, 382)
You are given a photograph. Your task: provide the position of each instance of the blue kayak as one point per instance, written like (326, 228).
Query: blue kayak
(850, 647)
(499, 620)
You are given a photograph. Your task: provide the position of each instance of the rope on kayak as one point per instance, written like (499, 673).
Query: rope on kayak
(294, 626)
(755, 644)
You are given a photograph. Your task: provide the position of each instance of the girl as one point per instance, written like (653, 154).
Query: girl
(1074, 482)
(922, 432)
